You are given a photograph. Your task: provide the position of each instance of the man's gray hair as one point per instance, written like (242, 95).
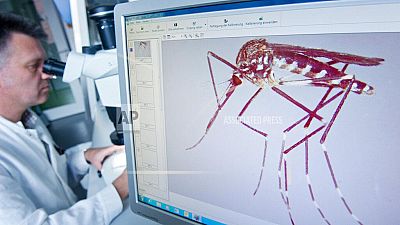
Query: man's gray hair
(12, 23)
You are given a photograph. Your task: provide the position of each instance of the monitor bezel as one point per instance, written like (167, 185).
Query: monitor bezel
(124, 10)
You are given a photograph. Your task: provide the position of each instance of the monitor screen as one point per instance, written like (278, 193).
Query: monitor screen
(260, 113)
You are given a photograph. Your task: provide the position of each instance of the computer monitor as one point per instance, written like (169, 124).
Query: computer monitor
(253, 112)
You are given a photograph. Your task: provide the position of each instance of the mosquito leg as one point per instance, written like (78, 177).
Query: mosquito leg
(345, 67)
(321, 104)
(328, 128)
(284, 191)
(219, 58)
(295, 124)
(331, 99)
(318, 107)
(310, 184)
(308, 81)
(228, 94)
(262, 167)
(304, 139)
(287, 191)
(245, 108)
(257, 131)
(298, 104)
(283, 195)
(283, 162)
(339, 192)
(332, 62)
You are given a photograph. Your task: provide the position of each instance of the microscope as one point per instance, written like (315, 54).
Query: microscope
(98, 62)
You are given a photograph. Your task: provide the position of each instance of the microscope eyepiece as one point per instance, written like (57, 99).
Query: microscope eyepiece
(54, 67)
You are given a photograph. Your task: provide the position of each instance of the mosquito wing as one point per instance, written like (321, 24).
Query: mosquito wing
(336, 57)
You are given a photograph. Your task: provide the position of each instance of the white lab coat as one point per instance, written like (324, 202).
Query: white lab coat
(34, 191)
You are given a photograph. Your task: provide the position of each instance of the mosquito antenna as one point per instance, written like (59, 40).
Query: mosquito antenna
(223, 82)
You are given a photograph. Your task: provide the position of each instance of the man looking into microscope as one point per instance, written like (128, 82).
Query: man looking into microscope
(33, 176)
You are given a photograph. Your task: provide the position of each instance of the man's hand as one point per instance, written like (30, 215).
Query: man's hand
(96, 156)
